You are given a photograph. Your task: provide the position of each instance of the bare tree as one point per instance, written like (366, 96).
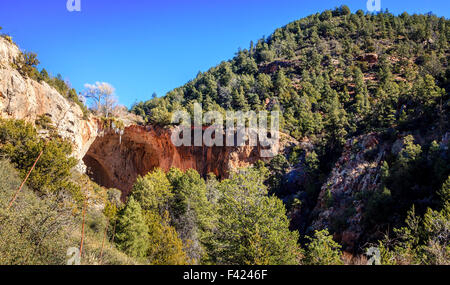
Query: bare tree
(109, 104)
(102, 97)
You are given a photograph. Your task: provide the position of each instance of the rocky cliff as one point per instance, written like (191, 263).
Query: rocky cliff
(115, 160)
(360, 172)
(24, 98)
(339, 206)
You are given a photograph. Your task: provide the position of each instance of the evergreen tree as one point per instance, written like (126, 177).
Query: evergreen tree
(191, 214)
(345, 11)
(362, 104)
(336, 123)
(252, 228)
(225, 73)
(132, 231)
(309, 122)
(322, 250)
(153, 191)
(44, 76)
(426, 92)
(444, 192)
(239, 101)
(164, 245)
(281, 83)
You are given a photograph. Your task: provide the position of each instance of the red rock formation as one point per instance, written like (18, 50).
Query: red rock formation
(276, 65)
(371, 58)
(116, 164)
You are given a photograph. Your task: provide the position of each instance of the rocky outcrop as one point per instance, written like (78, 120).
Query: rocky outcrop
(371, 58)
(115, 160)
(277, 65)
(8, 52)
(339, 206)
(26, 99)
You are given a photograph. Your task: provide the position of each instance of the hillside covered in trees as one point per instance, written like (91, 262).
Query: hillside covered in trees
(334, 75)
(367, 97)
(339, 77)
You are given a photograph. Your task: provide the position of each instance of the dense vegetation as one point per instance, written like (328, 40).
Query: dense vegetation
(173, 218)
(45, 220)
(170, 218)
(335, 76)
(228, 222)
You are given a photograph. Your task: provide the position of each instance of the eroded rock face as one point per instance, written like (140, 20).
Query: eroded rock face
(116, 161)
(26, 99)
(358, 170)
(371, 58)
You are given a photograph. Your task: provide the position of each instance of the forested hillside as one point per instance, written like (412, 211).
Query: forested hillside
(365, 95)
(334, 75)
(340, 79)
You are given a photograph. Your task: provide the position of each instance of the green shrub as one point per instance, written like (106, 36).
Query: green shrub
(33, 231)
(20, 143)
(322, 250)
(26, 64)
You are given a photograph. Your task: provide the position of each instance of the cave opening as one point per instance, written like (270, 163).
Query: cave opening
(112, 162)
(98, 172)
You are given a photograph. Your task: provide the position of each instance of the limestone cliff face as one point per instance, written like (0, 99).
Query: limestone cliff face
(23, 98)
(116, 160)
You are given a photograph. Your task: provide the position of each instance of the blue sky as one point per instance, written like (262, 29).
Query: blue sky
(141, 47)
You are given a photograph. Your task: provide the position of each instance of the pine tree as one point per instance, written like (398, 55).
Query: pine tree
(426, 92)
(362, 103)
(225, 73)
(239, 101)
(444, 192)
(43, 76)
(281, 83)
(132, 231)
(336, 123)
(153, 191)
(308, 122)
(345, 10)
(191, 214)
(252, 227)
(165, 246)
(322, 250)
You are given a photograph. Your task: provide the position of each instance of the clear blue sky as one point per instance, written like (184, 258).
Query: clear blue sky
(146, 46)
